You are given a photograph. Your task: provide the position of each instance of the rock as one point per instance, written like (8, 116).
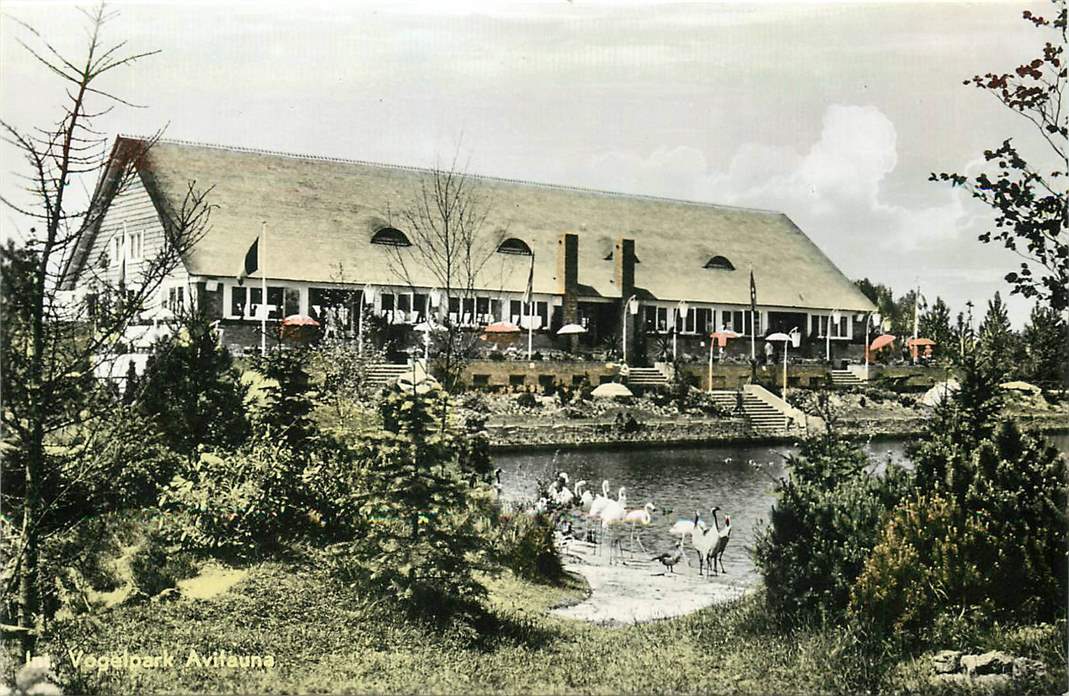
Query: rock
(993, 662)
(946, 661)
(1024, 668)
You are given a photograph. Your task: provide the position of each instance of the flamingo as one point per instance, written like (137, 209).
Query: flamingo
(704, 541)
(643, 516)
(586, 498)
(723, 537)
(684, 527)
(613, 515)
(600, 500)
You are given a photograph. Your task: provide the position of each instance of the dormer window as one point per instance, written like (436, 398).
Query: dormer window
(512, 245)
(720, 263)
(390, 236)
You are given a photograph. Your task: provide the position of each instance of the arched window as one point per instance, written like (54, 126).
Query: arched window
(720, 262)
(516, 246)
(390, 236)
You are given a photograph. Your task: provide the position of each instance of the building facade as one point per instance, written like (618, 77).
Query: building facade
(336, 248)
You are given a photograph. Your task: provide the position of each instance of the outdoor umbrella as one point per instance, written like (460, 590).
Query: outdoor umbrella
(920, 342)
(425, 328)
(299, 320)
(501, 327)
(1021, 387)
(609, 390)
(786, 338)
(570, 329)
(722, 337)
(881, 342)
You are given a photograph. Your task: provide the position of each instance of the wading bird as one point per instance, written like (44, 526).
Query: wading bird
(643, 516)
(669, 559)
(723, 536)
(704, 541)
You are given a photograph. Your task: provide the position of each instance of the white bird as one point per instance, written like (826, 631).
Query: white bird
(612, 515)
(704, 541)
(723, 537)
(684, 527)
(586, 498)
(600, 501)
(643, 516)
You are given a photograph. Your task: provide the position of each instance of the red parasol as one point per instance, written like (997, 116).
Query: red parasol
(881, 342)
(920, 342)
(501, 327)
(722, 337)
(299, 320)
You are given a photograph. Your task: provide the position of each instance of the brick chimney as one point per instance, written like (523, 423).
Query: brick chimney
(568, 276)
(624, 259)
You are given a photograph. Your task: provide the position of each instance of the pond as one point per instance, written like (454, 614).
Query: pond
(738, 478)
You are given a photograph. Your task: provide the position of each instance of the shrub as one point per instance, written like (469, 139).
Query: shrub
(192, 392)
(523, 543)
(155, 568)
(419, 525)
(241, 501)
(823, 525)
(528, 400)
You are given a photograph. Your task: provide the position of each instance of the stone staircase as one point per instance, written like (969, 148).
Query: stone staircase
(646, 377)
(845, 378)
(764, 417)
(385, 374)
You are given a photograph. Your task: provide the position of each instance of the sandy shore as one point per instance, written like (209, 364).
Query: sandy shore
(641, 590)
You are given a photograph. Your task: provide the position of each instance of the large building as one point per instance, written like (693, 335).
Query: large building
(335, 227)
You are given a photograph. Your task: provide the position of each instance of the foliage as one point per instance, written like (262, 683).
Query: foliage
(192, 391)
(996, 338)
(345, 371)
(242, 501)
(824, 523)
(155, 567)
(523, 543)
(285, 414)
(528, 400)
(1030, 204)
(415, 507)
(935, 324)
(1046, 341)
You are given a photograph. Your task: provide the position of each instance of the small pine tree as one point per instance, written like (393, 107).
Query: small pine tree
(192, 390)
(935, 324)
(996, 338)
(1046, 348)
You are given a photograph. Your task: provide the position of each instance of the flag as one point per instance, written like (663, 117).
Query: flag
(529, 292)
(753, 294)
(252, 262)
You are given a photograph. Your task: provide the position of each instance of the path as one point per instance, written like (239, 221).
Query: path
(640, 590)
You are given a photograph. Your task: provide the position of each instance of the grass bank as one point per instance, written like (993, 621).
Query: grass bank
(325, 637)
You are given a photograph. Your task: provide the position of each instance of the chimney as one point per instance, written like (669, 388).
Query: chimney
(624, 259)
(568, 276)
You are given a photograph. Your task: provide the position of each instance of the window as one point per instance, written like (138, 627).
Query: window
(386, 302)
(514, 246)
(337, 310)
(720, 263)
(839, 329)
(291, 302)
(115, 255)
(419, 304)
(741, 322)
(515, 311)
(657, 319)
(390, 236)
(703, 320)
(176, 299)
(239, 298)
(404, 302)
(495, 311)
(135, 243)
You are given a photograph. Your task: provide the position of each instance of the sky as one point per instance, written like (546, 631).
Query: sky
(833, 113)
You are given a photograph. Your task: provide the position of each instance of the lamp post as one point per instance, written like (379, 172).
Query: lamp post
(631, 306)
(681, 316)
(795, 339)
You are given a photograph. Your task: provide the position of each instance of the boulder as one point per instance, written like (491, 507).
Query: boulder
(946, 661)
(992, 662)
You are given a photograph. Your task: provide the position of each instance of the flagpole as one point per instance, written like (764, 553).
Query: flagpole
(530, 327)
(263, 286)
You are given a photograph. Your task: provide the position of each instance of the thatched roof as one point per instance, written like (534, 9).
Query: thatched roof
(321, 214)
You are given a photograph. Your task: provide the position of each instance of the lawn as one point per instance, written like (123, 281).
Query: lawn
(328, 638)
